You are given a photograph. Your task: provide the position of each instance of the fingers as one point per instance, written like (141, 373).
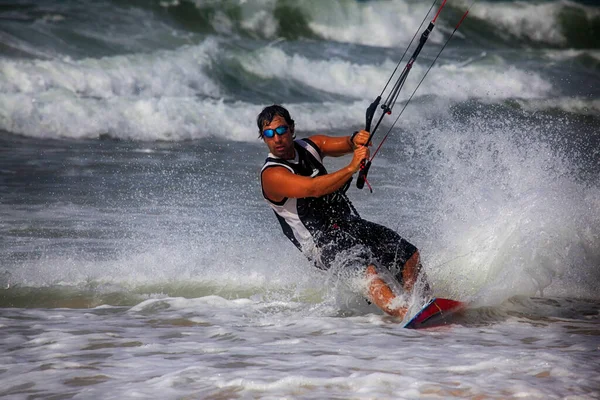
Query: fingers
(361, 138)
(360, 153)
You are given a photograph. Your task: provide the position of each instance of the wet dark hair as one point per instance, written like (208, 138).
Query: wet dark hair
(268, 113)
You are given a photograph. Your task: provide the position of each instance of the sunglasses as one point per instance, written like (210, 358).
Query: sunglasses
(280, 130)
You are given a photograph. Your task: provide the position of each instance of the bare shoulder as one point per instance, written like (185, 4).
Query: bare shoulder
(279, 183)
(273, 174)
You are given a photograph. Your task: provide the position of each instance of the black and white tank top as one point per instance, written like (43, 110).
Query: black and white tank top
(303, 218)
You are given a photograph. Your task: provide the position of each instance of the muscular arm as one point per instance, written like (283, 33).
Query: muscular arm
(339, 146)
(333, 146)
(279, 183)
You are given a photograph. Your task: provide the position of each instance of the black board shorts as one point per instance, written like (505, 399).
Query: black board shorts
(364, 243)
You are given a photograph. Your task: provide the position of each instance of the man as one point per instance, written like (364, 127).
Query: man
(317, 216)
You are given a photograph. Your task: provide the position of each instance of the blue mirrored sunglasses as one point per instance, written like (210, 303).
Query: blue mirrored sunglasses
(281, 130)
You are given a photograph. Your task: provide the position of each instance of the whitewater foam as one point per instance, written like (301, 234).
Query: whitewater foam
(381, 24)
(538, 22)
(60, 114)
(459, 82)
(511, 217)
(576, 105)
(163, 73)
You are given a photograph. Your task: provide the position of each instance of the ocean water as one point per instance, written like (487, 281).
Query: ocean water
(138, 259)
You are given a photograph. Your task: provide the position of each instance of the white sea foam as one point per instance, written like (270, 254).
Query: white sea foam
(57, 114)
(450, 81)
(383, 24)
(160, 96)
(163, 96)
(575, 105)
(128, 97)
(538, 22)
(511, 217)
(334, 76)
(164, 73)
(213, 347)
(564, 55)
(393, 23)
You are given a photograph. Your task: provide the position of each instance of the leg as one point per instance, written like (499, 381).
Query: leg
(389, 249)
(381, 294)
(383, 245)
(411, 271)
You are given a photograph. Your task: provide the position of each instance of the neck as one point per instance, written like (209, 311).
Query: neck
(290, 155)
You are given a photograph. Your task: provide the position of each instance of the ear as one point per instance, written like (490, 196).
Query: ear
(293, 132)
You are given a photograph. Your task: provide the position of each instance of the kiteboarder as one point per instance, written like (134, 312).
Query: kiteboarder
(316, 215)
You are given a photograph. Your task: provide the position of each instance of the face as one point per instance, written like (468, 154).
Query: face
(281, 146)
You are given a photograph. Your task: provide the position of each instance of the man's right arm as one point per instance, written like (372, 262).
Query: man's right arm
(279, 183)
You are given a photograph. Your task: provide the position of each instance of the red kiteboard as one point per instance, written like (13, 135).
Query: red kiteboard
(435, 313)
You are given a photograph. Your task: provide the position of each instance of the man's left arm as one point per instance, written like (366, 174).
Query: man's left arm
(338, 146)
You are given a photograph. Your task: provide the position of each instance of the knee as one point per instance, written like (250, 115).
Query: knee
(414, 260)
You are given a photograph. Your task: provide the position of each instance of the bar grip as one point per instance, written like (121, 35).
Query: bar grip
(362, 173)
(370, 113)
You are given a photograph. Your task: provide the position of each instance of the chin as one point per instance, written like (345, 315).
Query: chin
(280, 153)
